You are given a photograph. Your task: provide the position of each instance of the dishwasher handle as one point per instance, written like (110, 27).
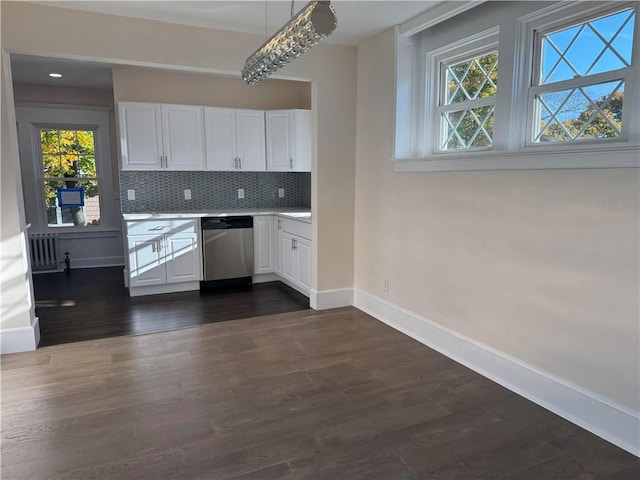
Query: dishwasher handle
(224, 223)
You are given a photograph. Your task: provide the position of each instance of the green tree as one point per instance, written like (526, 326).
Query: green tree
(594, 123)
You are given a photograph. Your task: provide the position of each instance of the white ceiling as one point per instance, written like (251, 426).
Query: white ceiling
(357, 21)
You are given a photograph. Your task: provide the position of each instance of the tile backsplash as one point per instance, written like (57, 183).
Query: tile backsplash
(164, 191)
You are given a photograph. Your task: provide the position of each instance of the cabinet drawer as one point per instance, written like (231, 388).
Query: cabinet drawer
(161, 227)
(295, 227)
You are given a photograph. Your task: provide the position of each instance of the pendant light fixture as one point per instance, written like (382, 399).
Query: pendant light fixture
(310, 25)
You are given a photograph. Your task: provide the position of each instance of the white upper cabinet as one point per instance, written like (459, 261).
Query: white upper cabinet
(234, 139)
(220, 138)
(140, 135)
(288, 140)
(161, 137)
(183, 137)
(250, 131)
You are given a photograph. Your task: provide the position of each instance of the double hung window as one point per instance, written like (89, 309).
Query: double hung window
(580, 75)
(68, 161)
(541, 86)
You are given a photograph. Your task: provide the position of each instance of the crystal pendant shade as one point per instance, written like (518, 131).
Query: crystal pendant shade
(313, 23)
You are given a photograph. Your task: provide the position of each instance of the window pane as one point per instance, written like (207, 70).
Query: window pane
(475, 78)
(470, 128)
(581, 113)
(68, 153)
(72, 216)
(601, 45)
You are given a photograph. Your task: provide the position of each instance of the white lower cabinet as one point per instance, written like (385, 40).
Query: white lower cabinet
(263, 244)
(294, 252)
(182, 257)
(281, 247)
(164, 256)
(277, 246)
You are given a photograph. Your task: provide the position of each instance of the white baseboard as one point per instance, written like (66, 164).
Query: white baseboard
(265, 277)
(96, 262)
(165, 288)
(325, 299)
(22, 339)
(601, 416)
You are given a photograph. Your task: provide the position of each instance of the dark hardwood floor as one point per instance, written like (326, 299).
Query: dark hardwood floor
(87, 304)
(305, 395)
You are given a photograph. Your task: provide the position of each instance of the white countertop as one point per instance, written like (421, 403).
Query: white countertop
(302, 214)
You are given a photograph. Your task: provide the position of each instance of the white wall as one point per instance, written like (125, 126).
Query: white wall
(18, 324)
(537, 266)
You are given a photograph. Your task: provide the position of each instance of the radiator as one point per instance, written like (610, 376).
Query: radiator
(44, 252)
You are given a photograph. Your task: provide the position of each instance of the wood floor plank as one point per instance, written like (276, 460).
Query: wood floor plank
(262, 398)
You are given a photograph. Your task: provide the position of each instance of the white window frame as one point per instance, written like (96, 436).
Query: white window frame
(31, 119)
(414, 137)
(42, 178)
(547, 22)
(436, 62)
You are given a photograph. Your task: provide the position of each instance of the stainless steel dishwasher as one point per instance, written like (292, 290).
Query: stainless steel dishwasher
(228, 250)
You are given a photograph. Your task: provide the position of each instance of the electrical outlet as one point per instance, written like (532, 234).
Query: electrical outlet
(187, 194)
(281, 192)
(241, 193)
(131, 194)
(386, 285)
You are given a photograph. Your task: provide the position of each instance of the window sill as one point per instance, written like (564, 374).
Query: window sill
(532, 158)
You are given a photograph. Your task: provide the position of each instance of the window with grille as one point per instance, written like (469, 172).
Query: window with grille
(467, 102)
(69, 162)
(579, 79)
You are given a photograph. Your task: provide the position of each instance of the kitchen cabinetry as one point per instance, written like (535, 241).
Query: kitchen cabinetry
(294, 248)
(164, 255)
(234, 139)
(161, 136)
(263, 244)
(288, 135)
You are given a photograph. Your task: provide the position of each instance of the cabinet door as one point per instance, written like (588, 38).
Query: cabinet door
(263, 244)
(303, 263)
(277, 242)
(182, 256)
(146, 263)
(220, 138)
(279, 140)
(140, 135)
(302, 140)
(250, 140)
(183, 137)
(288, 257)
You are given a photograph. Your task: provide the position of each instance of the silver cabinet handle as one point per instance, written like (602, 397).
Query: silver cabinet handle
(291, 163)
(279, 224)
(240, 163)
(153, 247)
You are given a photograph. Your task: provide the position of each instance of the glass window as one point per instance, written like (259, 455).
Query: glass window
(69, 161)
(579, 84)
(467, 104)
